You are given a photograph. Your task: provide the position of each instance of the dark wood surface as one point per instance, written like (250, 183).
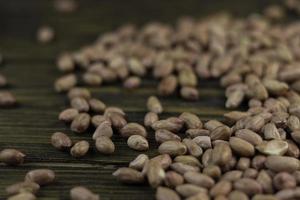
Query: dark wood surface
(30, 68)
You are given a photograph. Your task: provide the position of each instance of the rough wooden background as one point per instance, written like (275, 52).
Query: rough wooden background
(31, 71)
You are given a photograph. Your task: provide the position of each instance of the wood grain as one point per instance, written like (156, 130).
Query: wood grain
(31, 71)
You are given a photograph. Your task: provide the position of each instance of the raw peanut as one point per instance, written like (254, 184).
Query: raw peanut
(282, 163)
(275, 87)
(249, 136)
(229, 79)
(273, 147)
(132, 82)
(79, 92)
(191, 120)
(81, 193)
(192, 147)
(173, 148)
(289, 74)
(136, 67)
(98, 119)
(220, 133)
(187, 77)
(216, 142)
(223, 187)
(203, 141)
(232, 176)
(26, 186)
(164, 160)
(80, 104)
(235, 99)
(129, 176)
(163, 68)
(138, 143)
(150, 118)
(104, 129)
(199, 179)
(170, 125)
(241, 147)
(117, 120)
(163, 135)
(173, 179)
(202, 67)
(133, 129)
(154, 105)
(237, 195)
(284, 180)
(264, 179)
(213, 171)
(255, 123)
(188, 160)
(280, 118)
(258, 91)
(104, 145)
(23, 196)
(167, 86)
(197, 132)
(97, 106)
(199, 196)
(285, 194)
(3, 81)
(234, 116)
(112, 109)
(243, 163)
(248, 186)
(293, 150)
(230, 165)
(108, 75)
(65, 83)
(139, 162)
(164, 193)
(65, 63)
(188, 190)
(81, 123)
(61, 141)
(189, 93)
(80, 149)
(254, 103)
(183, 168)
(40, 176)
(7, 99)
(258, 162)
(212, 124)
(45, 34)
(221, 154)
(293, 123)
(68, 115)
(250, 173)
(12, 157)
(274, 12)
(271, 132)
(155, 173)
(207, 157)
(92, 79)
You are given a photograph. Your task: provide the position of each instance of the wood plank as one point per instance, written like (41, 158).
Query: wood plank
(30, 68)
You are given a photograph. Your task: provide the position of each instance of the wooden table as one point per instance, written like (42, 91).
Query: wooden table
(30, 68)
